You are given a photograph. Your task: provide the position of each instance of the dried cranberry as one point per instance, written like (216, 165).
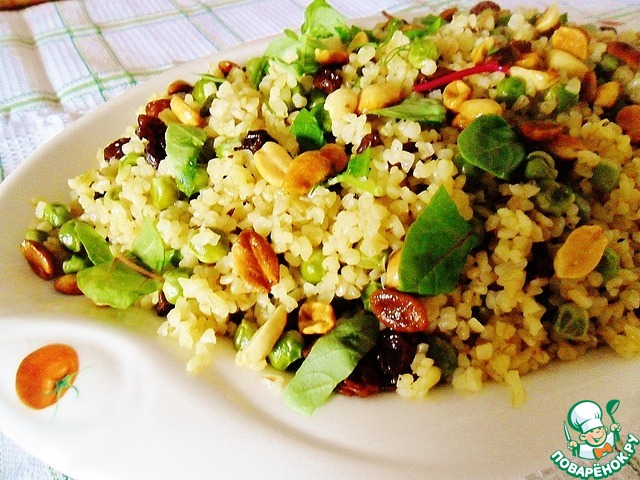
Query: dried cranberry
(372, 139)
(114, 150)
(255, 139)
(327, 79)
(153, 130)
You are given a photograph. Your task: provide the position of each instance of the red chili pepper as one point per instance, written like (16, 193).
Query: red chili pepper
(453, 76)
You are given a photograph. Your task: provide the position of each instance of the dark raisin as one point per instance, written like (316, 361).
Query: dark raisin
(153, 130)
(114, 150)
(395, 352)
(372, 139)
(327, 79)
(163, 307)
(508, 54)
(255, 139)
(365, 380)
(154, 107)
(482, 6)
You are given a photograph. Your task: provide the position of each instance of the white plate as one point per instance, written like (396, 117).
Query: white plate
(138, 415)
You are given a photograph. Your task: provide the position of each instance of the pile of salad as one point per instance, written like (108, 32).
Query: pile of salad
(479, 128)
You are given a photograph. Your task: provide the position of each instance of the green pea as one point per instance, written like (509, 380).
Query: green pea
(75, 263)
(509, 90)
(444, 355)
(312, 270)
(244, 332)
(68, 236)
(287, 350)
(609, 265)
(584, 208)
(554, 198)
(421, 50)
(130, 159)
(606, 176)
(163, 192)
(367, 292)
(540, 166)
(563, 97)
(200, 178)
(56, 214)
(36, 235)
(571, 321)
(200, 89)
(607, 65)
(211, 252)
(171, 287)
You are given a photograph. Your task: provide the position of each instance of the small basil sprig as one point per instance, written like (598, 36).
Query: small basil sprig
(491, 145)
(332, 359)
(436, 248)
(357, 174)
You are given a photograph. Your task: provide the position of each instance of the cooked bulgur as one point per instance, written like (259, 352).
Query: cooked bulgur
(510, 312)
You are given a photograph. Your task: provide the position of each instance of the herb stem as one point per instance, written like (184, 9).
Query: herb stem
(443, 80)
(137, 268)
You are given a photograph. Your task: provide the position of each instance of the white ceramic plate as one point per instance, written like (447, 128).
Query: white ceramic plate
(137, 414)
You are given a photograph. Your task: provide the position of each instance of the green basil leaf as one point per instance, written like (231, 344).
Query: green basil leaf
(321, 20)
(183, 149)
(149, 248)
(307, 130)
(96, 247)
(491, 145)
(357, 173)
(436, 248)
(332, 359)
(416, 108)
(115, 284)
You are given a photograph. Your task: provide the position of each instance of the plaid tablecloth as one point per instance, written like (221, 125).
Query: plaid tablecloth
(61, 59)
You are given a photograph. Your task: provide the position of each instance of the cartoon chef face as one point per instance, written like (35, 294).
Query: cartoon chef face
(595, 437)
(586, 417)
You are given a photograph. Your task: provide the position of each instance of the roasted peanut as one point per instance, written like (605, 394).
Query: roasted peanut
(536, 80)
(67, 284)
(337, 157)
(479, 53)
(179, 86)
(39, 258)
(607, 94)
(455, 94)
(399, 311)
(226, 66)
(256, 261)
(392, 275)
(306, 171)
(589, 87)
(184, 112)
(341, 102)
(566, 147)
(379, 95)
(581, 252)
(541, 130)
(272, 162)
(628, 118)
(563, 61)
(573, 40)
(548, 20)
(529, 60)
(316, 318)
(469, 110)
(625, 52)
(359, 40)
(331, 57)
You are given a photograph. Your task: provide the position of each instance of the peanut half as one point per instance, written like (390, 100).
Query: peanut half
(256, 261)
(581, 252)
(316, 318)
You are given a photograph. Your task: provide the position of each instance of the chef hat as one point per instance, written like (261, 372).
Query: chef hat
(585, 416)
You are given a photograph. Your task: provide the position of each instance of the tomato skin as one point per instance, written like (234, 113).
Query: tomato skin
(45, 375)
